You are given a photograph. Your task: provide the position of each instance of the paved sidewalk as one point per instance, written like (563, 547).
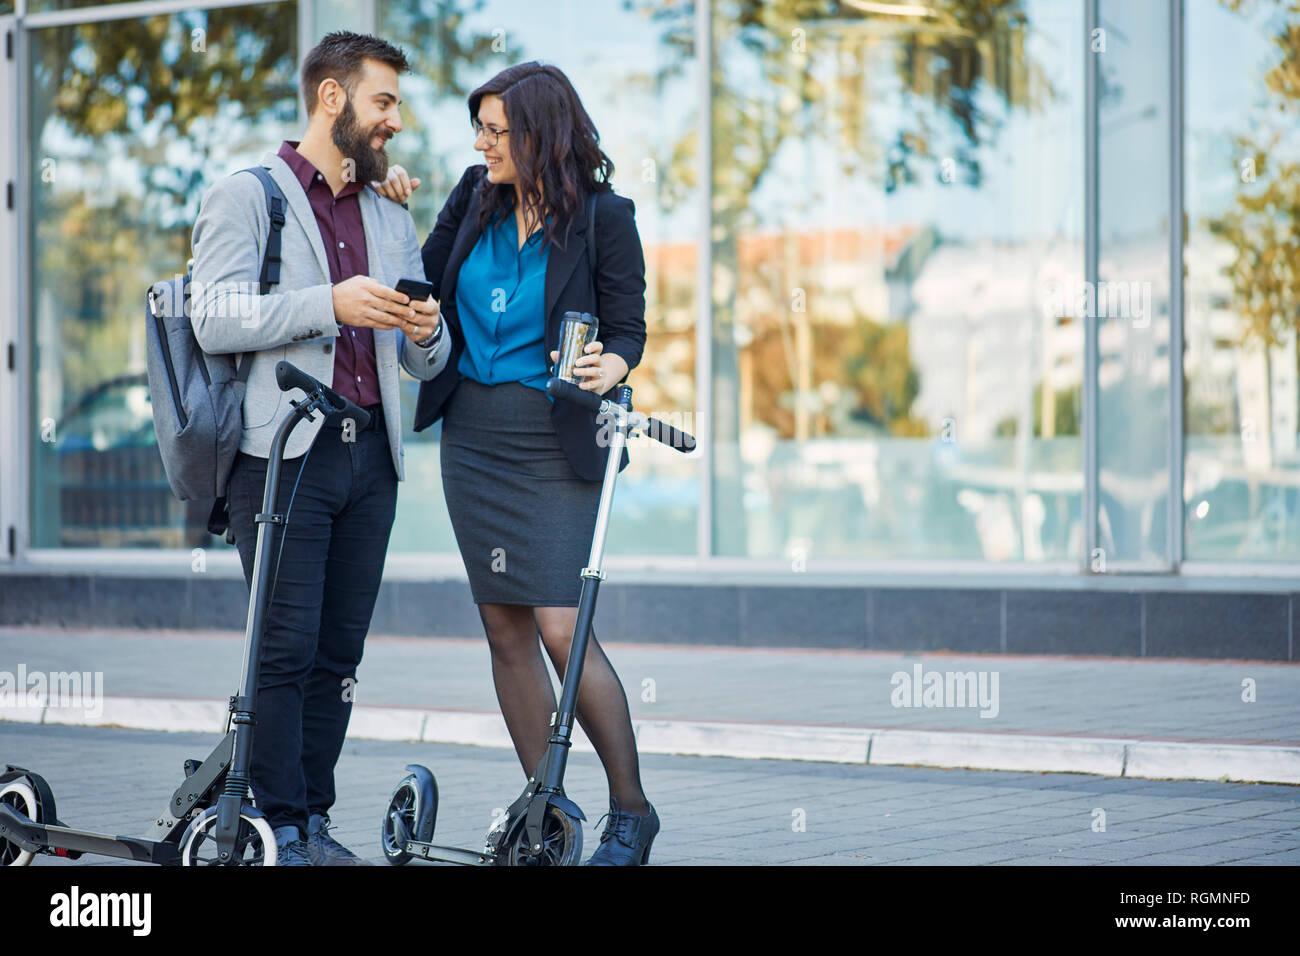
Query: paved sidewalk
(718, 811)
(1110, 716)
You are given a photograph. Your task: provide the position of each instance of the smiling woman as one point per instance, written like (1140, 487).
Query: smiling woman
(513, 252)
(522, 174)
(609, 52)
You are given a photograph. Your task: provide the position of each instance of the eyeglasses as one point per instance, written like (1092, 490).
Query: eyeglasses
(488, 133)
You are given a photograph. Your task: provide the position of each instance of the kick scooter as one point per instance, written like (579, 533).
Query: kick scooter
(541, 827)
(209, 820)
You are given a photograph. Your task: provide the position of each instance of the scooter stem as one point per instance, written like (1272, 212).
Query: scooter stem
(551, 773)
(243, 706)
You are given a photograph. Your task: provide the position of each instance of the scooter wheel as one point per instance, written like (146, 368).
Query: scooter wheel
(405, 806)
(561, 842)
(21, 797)
(256, 845)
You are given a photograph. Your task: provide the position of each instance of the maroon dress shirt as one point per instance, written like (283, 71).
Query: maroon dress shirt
(356, 374)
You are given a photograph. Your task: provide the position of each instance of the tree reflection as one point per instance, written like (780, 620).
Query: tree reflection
(806, 77)
(1261, 228)
(131, 121)
(791, 75)
(447, 54)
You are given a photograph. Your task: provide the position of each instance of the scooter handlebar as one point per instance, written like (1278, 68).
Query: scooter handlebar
(289, 376)
(667, 435)
(559, 388)
(660, 432)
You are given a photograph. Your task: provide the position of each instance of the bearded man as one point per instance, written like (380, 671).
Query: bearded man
(335, 314)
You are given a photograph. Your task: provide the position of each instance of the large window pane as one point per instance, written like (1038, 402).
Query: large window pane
(1243, 281)
(632, 69)
(131, 120)
(897, 241)
(1130, 301)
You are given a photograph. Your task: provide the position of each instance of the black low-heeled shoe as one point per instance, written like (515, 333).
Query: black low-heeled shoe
(627, 838)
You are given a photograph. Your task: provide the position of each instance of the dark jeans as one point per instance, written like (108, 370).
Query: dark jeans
(334, 548)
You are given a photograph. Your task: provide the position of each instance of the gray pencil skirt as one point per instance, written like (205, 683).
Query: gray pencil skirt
(523, 519)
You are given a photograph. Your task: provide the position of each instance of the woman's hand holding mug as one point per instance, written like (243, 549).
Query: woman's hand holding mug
(602, 372)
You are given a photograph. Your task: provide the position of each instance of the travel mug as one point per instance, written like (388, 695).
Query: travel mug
(577, 330)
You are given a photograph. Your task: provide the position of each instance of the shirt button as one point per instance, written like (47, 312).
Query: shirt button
(358, 378)
(342, 246)
(319, 176)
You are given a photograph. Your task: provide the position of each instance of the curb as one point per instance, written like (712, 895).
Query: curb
(1024, 753)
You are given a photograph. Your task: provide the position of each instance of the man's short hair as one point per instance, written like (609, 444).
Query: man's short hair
(341, 56)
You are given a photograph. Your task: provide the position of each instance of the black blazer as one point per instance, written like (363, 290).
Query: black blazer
(620, 291)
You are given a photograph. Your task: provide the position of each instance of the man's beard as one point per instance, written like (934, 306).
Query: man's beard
(354, 143)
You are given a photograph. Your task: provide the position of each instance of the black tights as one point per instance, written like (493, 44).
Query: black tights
(527, 696)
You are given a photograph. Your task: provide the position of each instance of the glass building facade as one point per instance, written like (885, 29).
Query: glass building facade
(953, 286)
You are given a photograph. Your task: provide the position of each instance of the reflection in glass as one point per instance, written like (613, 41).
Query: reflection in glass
(42, 6)
(131, 121)
(1242, 481)
(896, 245)
(1130, 301)
(632, 72)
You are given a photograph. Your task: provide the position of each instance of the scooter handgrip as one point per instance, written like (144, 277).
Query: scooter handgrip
(349, 408)
(289, 376)
(559, 388)
(674, 438)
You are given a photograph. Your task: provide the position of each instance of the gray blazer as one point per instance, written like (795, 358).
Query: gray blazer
(228, 314)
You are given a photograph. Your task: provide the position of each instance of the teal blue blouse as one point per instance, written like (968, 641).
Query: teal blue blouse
(501, 295)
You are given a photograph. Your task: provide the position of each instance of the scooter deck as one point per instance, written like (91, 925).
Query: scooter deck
(227, 765)
(39, 838)
(449, 854)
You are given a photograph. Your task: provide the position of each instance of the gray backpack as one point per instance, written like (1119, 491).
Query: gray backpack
(198, 397)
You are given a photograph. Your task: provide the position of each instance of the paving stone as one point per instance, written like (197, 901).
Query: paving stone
(697, 800)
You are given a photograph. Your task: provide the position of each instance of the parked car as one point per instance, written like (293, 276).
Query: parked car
(112, 488)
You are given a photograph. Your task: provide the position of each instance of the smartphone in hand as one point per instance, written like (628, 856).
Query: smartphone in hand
(415, 289)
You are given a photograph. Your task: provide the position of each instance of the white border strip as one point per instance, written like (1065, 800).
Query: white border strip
(1024, 753)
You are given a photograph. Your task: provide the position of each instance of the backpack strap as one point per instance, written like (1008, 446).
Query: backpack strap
(275, 208)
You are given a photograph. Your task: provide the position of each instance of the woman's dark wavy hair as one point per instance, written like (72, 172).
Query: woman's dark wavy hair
(553, 143)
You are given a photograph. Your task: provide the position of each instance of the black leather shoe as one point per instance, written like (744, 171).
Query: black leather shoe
(627, 838)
